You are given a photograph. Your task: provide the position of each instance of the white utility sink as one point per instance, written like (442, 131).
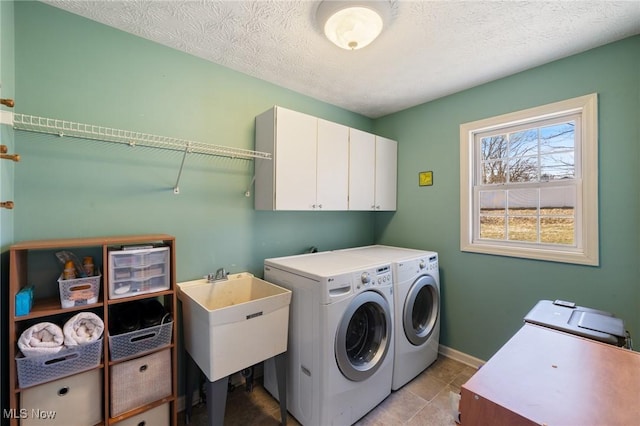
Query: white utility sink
(232, 324)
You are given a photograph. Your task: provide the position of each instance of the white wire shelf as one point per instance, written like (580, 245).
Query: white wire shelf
(58, 127)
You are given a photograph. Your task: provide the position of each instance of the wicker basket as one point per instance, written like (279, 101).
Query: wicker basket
(140, 381)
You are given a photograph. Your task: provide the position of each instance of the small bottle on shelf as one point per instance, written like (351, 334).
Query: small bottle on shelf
(69, 272)
(87, 264)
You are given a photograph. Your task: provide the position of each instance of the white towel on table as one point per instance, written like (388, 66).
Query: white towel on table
(85, 327)
(41, 339)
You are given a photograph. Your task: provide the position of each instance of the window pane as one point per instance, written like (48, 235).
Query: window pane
(561, 198)
(492, 214)
(557, 230)
(523, 202)
(524, 143)
(557, 210)
(523, 169)
(494, 147)
(523, 229)
(493, 202)
(559, 137)
(557, 166)
(493, 172)
(492, 227)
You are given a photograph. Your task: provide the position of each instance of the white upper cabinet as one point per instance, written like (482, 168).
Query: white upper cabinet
(288, 181)
(362, 159)
(320, 165)
(309, 169)
(386, 173)
(373, 165)
(332, 176)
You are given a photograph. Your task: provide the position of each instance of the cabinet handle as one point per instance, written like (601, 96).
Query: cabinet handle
(319, 206)
(6, 205)
(7, 102)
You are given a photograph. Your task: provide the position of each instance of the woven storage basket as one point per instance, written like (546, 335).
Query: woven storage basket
(140, 381)
(140, 341)
(34, 370)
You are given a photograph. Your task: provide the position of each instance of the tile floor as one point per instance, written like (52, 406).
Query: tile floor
(423, 401)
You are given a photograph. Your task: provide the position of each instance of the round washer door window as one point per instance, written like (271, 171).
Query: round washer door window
(421, 310)
(363, 336)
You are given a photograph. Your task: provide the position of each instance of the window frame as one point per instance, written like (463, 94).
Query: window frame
(586, 249)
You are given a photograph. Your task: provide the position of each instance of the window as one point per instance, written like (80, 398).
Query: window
(529, 183)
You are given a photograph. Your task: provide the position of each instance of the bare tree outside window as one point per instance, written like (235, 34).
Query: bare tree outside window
(511, 210)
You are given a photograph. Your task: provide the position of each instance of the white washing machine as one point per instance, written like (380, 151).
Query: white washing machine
(340, 350)
(417, 307)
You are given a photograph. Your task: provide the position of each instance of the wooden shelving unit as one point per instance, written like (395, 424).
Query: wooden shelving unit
(28, 268)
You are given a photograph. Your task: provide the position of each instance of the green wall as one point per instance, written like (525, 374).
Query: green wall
(75, 69)
(485, 297)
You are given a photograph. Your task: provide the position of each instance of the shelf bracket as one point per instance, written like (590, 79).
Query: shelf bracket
(247, 193)
(176, 188)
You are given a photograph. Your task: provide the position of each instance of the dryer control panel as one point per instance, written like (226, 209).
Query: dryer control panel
(429, 264)
(380, 276)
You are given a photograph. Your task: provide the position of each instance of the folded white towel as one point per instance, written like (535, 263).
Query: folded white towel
(85, 327)
(41, 339)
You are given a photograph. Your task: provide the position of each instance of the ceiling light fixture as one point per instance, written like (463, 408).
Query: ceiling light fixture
(353, 25)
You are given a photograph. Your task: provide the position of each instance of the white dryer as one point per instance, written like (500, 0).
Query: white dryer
(417, 307)
(340, 350)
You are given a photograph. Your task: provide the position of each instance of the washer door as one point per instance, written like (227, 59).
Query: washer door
(363, 336)
(421, 310)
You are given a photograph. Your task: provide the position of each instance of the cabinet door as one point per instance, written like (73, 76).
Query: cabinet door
(386, 173)
(332, 166)
(361, 170)
(295, 157)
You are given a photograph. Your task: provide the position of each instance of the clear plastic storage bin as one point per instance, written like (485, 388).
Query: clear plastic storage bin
(34, 370)
(138, 271)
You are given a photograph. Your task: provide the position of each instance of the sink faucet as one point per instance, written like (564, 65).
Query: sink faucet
(220, 275)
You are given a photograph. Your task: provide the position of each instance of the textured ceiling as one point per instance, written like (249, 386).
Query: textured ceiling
(428, 50)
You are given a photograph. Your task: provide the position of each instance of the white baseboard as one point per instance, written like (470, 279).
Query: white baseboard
(460, 357)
